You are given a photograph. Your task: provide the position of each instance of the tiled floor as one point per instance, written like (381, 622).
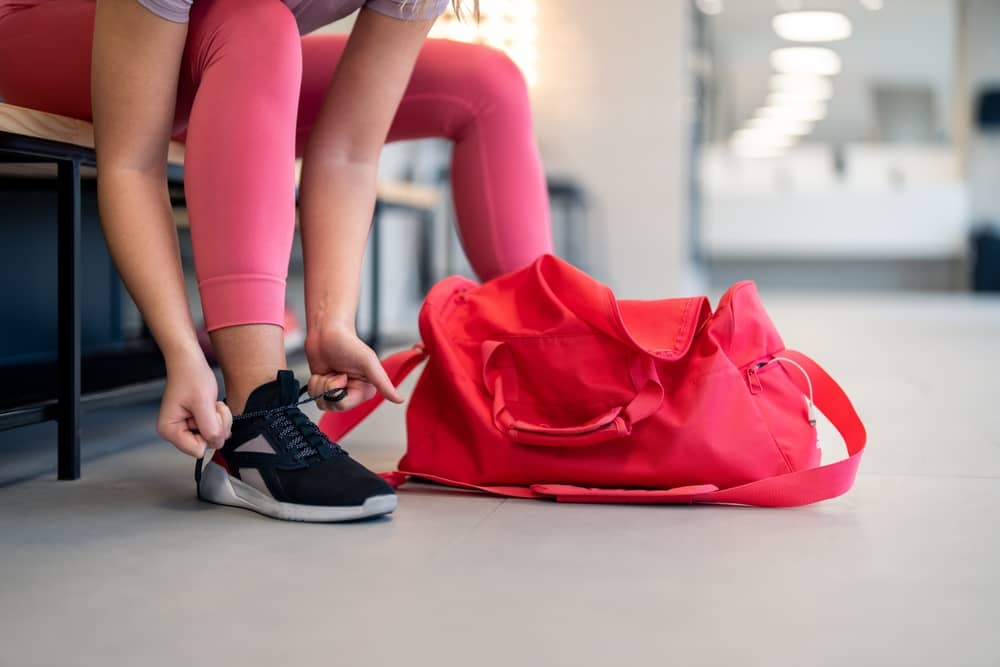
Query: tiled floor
(126, 568)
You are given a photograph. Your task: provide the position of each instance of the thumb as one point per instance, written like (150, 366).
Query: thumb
(211, 424)
(380, 379)
(227, 418)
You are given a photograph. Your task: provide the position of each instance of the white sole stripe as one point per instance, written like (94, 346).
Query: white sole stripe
(217, 486)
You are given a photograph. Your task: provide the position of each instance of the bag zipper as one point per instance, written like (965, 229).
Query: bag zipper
(751, 372)
(759, 366)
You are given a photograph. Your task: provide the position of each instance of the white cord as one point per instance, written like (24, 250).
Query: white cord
(811, 406)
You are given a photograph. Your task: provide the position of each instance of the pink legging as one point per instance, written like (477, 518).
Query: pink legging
(249, 93)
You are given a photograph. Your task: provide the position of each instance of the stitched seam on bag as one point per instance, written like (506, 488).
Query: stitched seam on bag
(767, 426)
(732, 319)
(605, 405)
(740, 371)
(450, 303)
(546, 336)
(788, 378)
(683, 326)
(760, 416)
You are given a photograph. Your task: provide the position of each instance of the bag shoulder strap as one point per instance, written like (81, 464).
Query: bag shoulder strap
(335, 425)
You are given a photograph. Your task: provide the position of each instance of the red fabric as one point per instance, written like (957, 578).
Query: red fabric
(540, 384)
(219, 459)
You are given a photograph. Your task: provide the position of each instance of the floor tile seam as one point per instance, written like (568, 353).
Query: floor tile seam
(928, 475)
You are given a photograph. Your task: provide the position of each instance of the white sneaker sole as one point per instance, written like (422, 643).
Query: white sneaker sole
(217, 486)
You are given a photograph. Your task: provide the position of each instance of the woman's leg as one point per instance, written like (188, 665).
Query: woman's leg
(45, 57)
(237, 100)
(475, 96)
(240, 77)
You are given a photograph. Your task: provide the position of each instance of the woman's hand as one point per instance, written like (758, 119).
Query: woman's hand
(337, 197)
(339, 359)
(191, 418)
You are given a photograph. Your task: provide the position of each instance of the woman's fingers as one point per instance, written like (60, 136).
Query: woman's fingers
(183, 438)
(210, 423)
(362, 390)
(227, 418)
(377, 376)
(320, 384)
(371, 380)
(193, 437)
(358, 391)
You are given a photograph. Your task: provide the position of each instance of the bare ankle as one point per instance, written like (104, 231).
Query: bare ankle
(250, 355)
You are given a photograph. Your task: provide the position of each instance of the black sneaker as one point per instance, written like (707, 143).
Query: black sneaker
(277, 462)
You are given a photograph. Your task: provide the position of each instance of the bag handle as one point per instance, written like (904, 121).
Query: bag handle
(335, 425)
(614, 424)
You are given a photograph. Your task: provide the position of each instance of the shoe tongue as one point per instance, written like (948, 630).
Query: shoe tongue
(275, 394)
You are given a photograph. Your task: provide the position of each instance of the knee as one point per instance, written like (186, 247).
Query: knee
(475, 80)
(493, 78)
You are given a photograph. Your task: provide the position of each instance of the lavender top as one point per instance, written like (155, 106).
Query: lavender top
(312, 14)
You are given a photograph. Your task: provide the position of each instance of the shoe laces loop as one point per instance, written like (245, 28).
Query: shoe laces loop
(331, 395)
(296, 430)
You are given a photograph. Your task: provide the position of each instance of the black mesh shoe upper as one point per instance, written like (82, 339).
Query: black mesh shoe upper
(294, 459)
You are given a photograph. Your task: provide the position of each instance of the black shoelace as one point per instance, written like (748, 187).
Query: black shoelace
(296, 431)
(294, 428)
(332, 395)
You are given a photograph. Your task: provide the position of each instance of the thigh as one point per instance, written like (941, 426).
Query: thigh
(451, 83)
(45, 56)
(320, 55)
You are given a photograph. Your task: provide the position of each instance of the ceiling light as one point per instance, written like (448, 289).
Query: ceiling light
(760, 138)
(873, 5)
(812, 26)
(779, 99)
(790, 126)
(805, 60)
(806, 111)
(710, 7)
(802, 85)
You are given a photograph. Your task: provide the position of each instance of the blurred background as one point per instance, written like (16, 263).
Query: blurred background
(805, 144)
(846, 143)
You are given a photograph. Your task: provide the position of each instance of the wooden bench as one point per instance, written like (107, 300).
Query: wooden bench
(32, 143)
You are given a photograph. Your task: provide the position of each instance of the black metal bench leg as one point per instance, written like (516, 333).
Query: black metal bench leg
(68, 408)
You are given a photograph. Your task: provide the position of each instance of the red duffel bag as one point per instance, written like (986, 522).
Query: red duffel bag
(541, 384)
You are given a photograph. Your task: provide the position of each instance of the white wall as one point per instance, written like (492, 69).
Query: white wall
(891, 202)
(908, 42)
(611, 111)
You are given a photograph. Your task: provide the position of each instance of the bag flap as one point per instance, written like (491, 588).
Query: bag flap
(662, 328)
(551, 291)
